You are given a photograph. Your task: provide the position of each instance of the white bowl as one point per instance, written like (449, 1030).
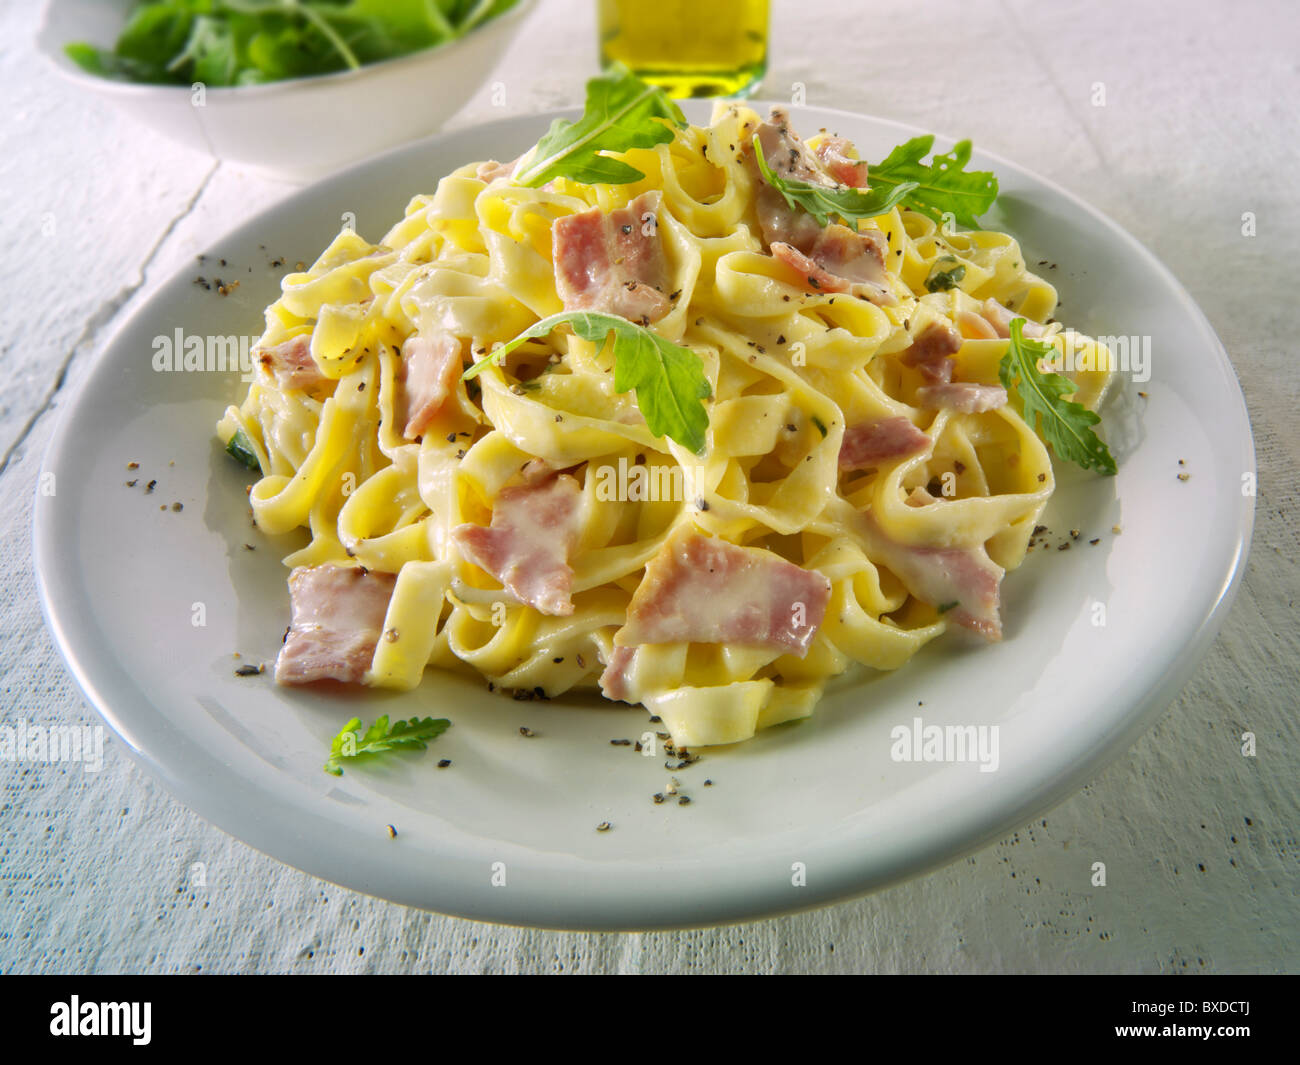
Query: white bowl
(301, 128)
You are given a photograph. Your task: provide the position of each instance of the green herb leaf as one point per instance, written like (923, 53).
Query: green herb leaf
(944, 280)
(669, 379)
(822, 202)
(943, 186)
(412, 735)
(622, 112)
(1064, 425)
(241, 448)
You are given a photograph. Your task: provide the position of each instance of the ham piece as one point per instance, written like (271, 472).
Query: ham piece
(292, 364)
(871, 443)
(830, 259)
(999, 317)
(963, 582)
(959, 396)
(834, 155)
(430, 368)
(489, 171)
(788, 157)
(613, 263)
(534, 528)
(840, 260)
(931, 350)
(701, 589)
(338, 613)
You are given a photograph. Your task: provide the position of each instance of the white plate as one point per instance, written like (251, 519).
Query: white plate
(802, 815)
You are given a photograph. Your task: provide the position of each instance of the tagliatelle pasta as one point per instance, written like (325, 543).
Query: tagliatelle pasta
(864, 482)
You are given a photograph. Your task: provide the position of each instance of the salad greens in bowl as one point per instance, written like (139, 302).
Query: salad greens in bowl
(292, 88)
(249, 42)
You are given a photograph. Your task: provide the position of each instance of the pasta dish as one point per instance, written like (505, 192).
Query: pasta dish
(701, 439)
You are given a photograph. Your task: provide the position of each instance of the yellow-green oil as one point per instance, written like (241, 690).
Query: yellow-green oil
(688, 47)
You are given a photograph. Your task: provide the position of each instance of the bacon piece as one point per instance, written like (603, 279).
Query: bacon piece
(614, 680)
(338, 612)
(781, 223)
(292, 364)
(959, 396)
(834, 155)
(999, 317)
(489, 171)
(931, 349)
(963, 582)
(816, 277)
(854, 256)
(975, 326)
(871, 443)
(935, 340)
(787, 156)
(700, 589)
(937, 372)
(430, 368)
(830, 259)
(613, 262)
(535, 471)
(534, 529)
(841, 260)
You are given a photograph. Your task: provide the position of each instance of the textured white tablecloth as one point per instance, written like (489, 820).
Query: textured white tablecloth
(1198, 126)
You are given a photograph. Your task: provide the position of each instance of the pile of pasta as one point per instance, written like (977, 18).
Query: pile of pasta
(790, 369)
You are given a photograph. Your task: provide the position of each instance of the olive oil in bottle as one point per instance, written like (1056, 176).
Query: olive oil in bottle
(688, 47)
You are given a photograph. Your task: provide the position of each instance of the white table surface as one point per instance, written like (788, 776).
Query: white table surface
(1199, 125)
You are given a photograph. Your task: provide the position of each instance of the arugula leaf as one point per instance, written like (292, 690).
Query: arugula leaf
(154, 33)
(413, 735)
(107, 65)
(669, 379)
(821, 201)
(1064, 425)
(620, 114)
(211, 52)
(942, 186)
(241, 448)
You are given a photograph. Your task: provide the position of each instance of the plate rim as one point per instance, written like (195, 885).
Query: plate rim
(722, 904)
